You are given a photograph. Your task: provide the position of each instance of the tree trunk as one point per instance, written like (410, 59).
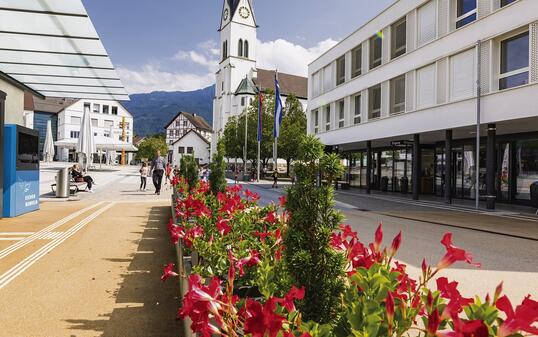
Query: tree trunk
(288, 164)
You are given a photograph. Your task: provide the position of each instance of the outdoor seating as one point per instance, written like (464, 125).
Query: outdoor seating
(74, 187)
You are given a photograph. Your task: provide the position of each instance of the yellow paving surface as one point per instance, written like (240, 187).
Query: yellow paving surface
(102, 281)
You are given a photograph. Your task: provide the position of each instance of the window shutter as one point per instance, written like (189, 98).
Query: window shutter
(485, 56)
(409, 91)
(443, 16)
(483, 8)
(427, 23)
(462, 75)
(533, 36)
(411, 28)
(426, 86)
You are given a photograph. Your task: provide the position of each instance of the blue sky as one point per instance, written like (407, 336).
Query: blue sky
(173, 44)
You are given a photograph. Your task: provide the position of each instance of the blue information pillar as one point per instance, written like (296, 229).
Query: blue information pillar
(21, 171)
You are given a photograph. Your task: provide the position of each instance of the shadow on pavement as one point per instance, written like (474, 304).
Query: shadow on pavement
(145, 306)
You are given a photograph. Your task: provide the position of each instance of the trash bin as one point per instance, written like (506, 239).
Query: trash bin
(62, 183)
(404, 185)
(384, 184)
(534, 194)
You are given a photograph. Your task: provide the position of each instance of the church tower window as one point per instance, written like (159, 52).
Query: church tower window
(240, 48)
(245, 49)
(224, 50)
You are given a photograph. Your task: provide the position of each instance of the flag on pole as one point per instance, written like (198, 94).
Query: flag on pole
(260, 115)
(278, 108)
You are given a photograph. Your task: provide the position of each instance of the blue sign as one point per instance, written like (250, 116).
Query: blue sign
(21, 171)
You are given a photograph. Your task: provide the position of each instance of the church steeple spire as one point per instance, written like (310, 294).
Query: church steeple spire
(241, 11)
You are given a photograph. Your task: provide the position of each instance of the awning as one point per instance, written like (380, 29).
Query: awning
(101, 143)
(52, 47)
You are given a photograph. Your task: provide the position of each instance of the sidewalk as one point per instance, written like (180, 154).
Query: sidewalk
(508, 220)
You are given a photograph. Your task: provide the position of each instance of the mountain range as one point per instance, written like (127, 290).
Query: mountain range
(152, 111)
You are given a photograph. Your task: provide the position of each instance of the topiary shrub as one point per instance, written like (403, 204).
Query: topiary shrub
(189, 170)
(309, 256)
(217, 178)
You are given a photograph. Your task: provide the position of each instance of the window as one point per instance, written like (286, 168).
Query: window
(76, 120)
(106, 133)
(316, 120)
(328, 80)
(109, 124)
(106, 110)
(426, 23)
(397, 95)
(224, 50)
(462, 75)
(375, 51)
(327, 118)
(374, 99)
(506, 2)
(356, 62)
(245, 49)
(178, 123)
(97, 108)
(181, 150)
(95, 134)
(465, 12)
(75, 134)
(341, 114)
(95, 122)
(514, 61)
(87, 106)
(357, 110)
(115, 110)
(185, 123)
(398, 38)
(177, 133)
(426, 86)
(240, 48)
(341, 70)
(190, 150)
(316, 84)
(242, 101)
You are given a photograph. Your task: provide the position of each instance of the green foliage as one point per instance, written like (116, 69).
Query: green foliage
(217, 178)
(292, 131)
(331, 167)
(310, 259)
(189, 170)
(150, 146)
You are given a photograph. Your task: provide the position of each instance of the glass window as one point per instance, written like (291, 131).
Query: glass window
(242, 101)
(190, 150)
(240, 48)
(245, 49)
(106, 110)
(95, 122)
(506, 2)
(109, 124)
(316, 120)
(341, 70)
(328, 80)
(316, 84)
(374, 99)
(526, 167)
(357, 110)
(75, 134)
(115, 110)
(181, 150)
(397, 95)
(76, 120)
(514, 61)
(327, 118)
(97, 108)
(356, 62)
(87, 106)
(341, 114)
(375, 51)
(398, 38)
(466, 12)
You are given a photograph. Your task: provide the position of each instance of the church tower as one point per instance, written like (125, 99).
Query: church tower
(238, 60)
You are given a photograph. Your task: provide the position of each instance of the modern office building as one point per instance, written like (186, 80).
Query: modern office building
(399, 98)
(238, 69)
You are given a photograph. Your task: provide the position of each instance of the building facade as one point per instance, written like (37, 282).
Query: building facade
(238, 37)
(399, 97)
(194, 144)
(184, 122)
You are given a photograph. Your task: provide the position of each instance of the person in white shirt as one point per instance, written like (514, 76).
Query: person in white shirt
(144, 171)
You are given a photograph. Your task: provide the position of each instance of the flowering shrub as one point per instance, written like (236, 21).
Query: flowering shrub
(241, 244)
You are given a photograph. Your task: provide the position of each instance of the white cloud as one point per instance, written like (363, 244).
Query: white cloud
(288, 57)
(151, 78)
(279, 54)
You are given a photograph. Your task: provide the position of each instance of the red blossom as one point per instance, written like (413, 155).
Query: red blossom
(271, 217)
(396, 244)
(288, 300)
(222, 226)
(261, 320)
(454, 254)
(168, 272)
(524, 318)
(282, 201)
(249, 261)
(474, 328)
(389, 307)
(378, 237)
(433, 323)
(456, 301)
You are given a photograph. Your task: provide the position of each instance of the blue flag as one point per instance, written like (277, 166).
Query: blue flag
(278, 108)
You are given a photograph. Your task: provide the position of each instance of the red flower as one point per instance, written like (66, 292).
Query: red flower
(347, 232)
(262, 319)
(522, 319)
(378, 237)
(271, 217)
(389, 306)
(433, 323)
(453, 254)
(396, 244)
(450, 292)
(474, 328)
(282, 201)
(168, 272)
(250, 195)
(249, 261)
(222, 226)
(288, 300)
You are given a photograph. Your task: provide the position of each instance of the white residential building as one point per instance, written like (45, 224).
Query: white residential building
(238, 37)
(194, 144)
(179, 126)
(401, 104)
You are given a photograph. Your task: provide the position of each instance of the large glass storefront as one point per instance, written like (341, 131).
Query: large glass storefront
(516, 169)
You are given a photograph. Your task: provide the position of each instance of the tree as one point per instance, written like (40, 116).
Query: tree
(230, 139)
(189, 170)
(150, 146)
(308, 254)
(292, 131)
(217, 178)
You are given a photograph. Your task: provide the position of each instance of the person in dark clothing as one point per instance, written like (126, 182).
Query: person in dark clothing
(78, 176)
(275, 179)
(157, 169)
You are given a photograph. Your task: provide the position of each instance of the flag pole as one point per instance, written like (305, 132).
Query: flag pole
(246, 140)
(275, 145)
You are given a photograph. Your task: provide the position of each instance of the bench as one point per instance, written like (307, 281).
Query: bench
(74, 187)
(344, 185)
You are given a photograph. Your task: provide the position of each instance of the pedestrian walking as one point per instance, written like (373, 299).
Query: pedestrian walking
(144, 171)
(157, 169)
(236, 176)
(168, 172)
(275, 179)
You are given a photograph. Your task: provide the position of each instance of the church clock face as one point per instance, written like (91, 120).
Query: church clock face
(244, 12)
(226, 13)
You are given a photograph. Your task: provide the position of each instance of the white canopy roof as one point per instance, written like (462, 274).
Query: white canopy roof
(101, 143)
(52, 47)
